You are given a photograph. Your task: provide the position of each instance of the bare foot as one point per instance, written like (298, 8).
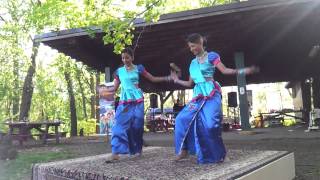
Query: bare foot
(137, 155)
(114, 158)
(182, 155)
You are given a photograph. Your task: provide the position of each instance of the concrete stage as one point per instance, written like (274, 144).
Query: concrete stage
(156, 163)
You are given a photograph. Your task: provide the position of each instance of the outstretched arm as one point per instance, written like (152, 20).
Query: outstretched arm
(152, 78)
(228, 71)
(176, 80)
(188, 83)
(156, 79)
(224, 70)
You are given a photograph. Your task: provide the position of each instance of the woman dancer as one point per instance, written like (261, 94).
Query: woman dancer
(197, 126)
(128, 129)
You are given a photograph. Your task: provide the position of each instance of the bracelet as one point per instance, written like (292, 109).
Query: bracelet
(241, 71)
(167, 78)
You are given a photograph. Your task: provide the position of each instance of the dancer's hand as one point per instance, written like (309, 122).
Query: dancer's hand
(252, 70)
(176, 69)
(174, 76)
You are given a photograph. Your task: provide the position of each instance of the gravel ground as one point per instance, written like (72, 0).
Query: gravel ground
(156, 163)
(306, 146)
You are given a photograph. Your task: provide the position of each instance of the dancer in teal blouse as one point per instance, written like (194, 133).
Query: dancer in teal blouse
(128, 129)
(197, 126)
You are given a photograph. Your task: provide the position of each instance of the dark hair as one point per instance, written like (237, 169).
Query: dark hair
(128, 50)
(195, 38)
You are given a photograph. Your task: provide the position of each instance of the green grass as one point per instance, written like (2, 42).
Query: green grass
(20, 168)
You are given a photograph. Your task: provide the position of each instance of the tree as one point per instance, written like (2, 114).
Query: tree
(26, 81)
(66, 66)
(20, 20)
(27, 90)
(73, 110)
(83, 97)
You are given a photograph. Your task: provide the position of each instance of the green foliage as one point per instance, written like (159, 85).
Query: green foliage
(171, 6)
(20, 20)
(119, 29)
(9, 64)
(88, 126)
(51, 14)
(206, 3)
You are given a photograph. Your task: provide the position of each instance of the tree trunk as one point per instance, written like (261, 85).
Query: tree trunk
(97, 102)
(82, 94)
(27, 90)
(93, 97)
(97, 94)
(73, 112)
(16, 90)
(8, 107)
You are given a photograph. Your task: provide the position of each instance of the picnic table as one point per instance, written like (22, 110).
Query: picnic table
(21, 131)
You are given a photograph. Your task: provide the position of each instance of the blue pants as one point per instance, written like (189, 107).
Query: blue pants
(202, 136)
(128, 129)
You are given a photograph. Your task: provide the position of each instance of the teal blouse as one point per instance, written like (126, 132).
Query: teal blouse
(200, 71)
(130, 91)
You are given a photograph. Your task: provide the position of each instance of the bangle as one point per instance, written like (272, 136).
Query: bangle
(167, 78)
(241, 71)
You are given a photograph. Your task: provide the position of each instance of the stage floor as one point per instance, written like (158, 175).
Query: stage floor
(157, 163)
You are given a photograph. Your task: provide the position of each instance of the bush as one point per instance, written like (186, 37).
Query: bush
(88, 126)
